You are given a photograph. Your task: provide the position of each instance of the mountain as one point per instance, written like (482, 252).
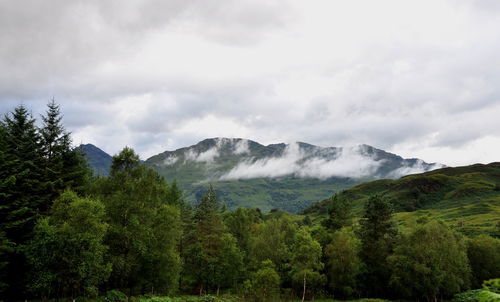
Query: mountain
(289, 177)
(98, 160)
(468, 198)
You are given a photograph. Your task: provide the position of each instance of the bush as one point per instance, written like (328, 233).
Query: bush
(487, 296)
(492, 285)
(115, 296)
(468, 296)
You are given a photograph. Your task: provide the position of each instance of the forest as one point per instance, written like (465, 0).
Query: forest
(130, 236)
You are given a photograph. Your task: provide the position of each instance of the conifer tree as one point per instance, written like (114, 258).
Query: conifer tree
(64, 166)
(23, 195)
(377, 233)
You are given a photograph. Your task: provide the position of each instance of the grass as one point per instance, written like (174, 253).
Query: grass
(467, 198)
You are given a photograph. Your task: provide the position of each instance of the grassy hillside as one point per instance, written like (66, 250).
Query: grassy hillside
(466, 197)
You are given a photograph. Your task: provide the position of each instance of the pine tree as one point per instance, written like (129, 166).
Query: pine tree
(23, 194)
(339, 213)
(377, 233)
(64, 166)
(205, 242)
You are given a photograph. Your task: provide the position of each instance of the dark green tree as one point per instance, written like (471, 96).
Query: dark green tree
(339, 213)
(483, 252)
(203, 258)
(430, 262)
(377, 233)
(64, 166)
(23, 193)
(241, 223)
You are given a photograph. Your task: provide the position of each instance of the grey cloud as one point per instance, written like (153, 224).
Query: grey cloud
(399, 87)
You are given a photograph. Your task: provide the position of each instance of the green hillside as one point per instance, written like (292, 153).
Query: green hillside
(466, 197)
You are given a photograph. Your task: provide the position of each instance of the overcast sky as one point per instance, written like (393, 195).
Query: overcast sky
(417, 78)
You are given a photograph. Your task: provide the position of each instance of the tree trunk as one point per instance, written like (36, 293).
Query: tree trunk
(304, 292)
(218, 287)
(201, 289)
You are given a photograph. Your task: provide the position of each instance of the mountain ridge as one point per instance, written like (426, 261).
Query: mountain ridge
(282, 176)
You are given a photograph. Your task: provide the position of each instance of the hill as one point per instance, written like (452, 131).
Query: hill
(289, 177)
(467, 197)
(98, 160)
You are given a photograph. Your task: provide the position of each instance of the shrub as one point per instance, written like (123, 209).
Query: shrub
(115, 296)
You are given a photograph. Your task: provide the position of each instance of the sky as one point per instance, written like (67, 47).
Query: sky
(416, 78)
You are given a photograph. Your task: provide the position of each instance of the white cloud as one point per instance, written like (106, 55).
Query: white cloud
(349, 162)
(170, 160)
(207, 156)
(241, 147)
(417, 167)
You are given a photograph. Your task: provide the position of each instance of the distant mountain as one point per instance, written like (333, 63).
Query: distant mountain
(468, 198)
(98, 160)
(289, 177)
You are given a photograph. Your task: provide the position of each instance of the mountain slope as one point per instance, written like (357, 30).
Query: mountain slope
(98, 160)
(466, 197)
(289, 177)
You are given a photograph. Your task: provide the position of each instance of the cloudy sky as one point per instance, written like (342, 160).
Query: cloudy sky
(417, 78)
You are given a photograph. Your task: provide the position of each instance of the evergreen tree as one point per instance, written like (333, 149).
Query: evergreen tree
(64, 166)
(23, 194)
(377, 233)
(203, 253)
(339, 213)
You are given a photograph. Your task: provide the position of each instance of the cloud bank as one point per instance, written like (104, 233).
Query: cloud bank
(352, 162)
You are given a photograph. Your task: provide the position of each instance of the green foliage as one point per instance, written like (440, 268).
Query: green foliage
(305, 262)
(263, 285)
(67, 251)
(429, 262)
(144, 229)
(115, 295)
(492, 285)
(477, 295)
(377, 234)
(339, 213)
(36, 165)
(484, 257)
(272, 240)
(343, 263)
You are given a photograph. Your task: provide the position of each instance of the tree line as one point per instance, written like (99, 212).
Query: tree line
(67, 233)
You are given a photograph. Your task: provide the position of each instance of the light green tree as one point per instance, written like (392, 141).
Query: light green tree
(67, 252)
(144, 227)
(264, 284)
(343, 263)
(306, 262)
